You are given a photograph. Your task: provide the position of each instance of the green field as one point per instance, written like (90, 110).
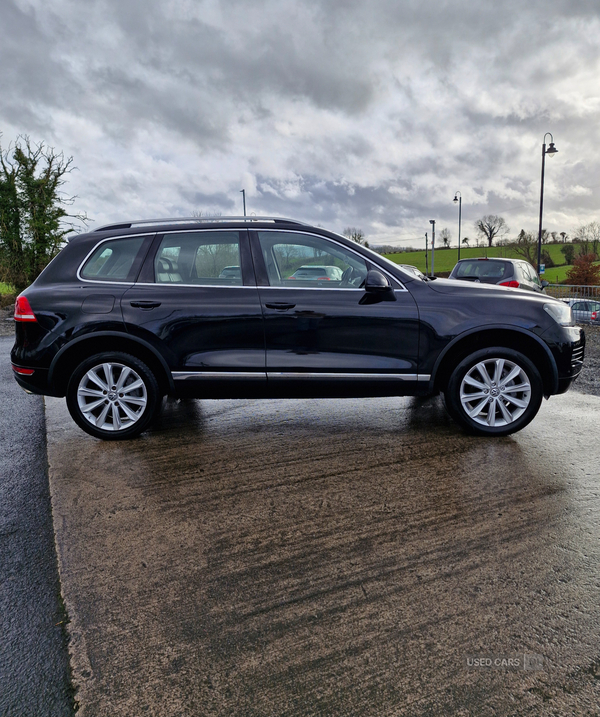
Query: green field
(445, 259)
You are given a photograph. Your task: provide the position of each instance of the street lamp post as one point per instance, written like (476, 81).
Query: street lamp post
(551, 151)
(458, 198)
(243, 191)
(432, 222)
(426, 267)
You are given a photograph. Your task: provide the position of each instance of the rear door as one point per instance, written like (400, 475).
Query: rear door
(196, 300)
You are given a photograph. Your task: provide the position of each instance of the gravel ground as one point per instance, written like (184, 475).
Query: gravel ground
(587, 382)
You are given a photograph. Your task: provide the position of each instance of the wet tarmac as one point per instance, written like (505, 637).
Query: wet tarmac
(34, 667)
(340, 557)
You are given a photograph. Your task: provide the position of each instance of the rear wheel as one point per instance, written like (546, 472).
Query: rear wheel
(494, 392)
(113, 396)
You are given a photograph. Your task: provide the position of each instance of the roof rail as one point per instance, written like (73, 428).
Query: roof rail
(196, 220)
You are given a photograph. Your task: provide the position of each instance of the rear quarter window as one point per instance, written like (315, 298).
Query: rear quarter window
(113, 260)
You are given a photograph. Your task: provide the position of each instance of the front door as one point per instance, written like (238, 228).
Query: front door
(324, 335)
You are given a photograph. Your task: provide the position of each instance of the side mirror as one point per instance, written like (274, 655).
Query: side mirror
(376, 282)
(545, 283)
(378, 287)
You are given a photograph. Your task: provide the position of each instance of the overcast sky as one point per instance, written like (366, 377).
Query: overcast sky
(337, 112)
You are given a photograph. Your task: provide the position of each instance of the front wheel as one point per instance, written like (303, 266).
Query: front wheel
(494, 392)
(113, 396)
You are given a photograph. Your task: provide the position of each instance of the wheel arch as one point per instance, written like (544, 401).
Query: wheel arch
(71, 355)
(523, 341)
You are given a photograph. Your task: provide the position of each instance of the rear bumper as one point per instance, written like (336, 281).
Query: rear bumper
(36, 382)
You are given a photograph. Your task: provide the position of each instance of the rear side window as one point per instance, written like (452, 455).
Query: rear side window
(206, 258)
(113, 260)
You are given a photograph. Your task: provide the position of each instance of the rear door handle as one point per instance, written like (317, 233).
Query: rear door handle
(280, 306)
(145, 304)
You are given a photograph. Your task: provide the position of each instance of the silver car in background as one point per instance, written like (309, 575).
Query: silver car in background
(585, 311)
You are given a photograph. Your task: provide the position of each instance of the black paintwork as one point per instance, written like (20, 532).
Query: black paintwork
(412, 327)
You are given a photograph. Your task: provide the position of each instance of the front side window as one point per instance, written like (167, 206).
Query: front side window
(205, 258)
(113, 260)
(302, 260)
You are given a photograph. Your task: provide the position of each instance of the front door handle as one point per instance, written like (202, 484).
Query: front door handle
(145, 304)
(280, 306)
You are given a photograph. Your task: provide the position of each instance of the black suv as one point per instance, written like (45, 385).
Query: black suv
(134, 311)
(514, 273)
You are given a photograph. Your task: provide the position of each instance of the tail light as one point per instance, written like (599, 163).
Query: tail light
(23, 311)
(23, 371)
(594, 315)
(323, 278)
(512, 284)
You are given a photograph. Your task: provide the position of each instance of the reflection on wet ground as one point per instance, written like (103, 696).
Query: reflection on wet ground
(340, 557)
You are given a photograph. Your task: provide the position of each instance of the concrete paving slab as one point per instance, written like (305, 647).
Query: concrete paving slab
(341, 557)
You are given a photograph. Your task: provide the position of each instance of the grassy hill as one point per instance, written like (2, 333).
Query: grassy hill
(445, 259)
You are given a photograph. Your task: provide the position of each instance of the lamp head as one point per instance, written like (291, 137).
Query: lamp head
(551, 149)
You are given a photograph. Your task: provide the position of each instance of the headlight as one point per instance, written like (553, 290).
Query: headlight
(561, 313)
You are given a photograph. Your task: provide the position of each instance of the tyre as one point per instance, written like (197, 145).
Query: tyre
(113, 396)
(494, 392)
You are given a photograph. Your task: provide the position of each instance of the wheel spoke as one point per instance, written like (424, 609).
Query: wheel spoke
(116, 417)
(511, 375)
(483, 372)
(91, 393)
(132, 386)
(88, 407)
(478, 408)
(135, 400)
(469, 380)
(108, 373)
(473, 396)
(519, 402)
(132, 415)
(491, 417)
(125, 373)
(518, 388)
(101, 420)
(93, 376)
(505, 412)
(499, 368)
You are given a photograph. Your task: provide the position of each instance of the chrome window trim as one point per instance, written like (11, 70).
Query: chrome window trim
(333, 241)
(103, 241)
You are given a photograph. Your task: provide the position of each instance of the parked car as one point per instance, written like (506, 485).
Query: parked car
(585, 311)
(134, 311)
(514, 273)
(318, 273)
(231, 272)
(413, 270)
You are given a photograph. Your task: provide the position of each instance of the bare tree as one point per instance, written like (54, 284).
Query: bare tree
(525, 245)
(490, 227)
(445, 236)
(356, 235)
(589, 236)
(466, 241)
